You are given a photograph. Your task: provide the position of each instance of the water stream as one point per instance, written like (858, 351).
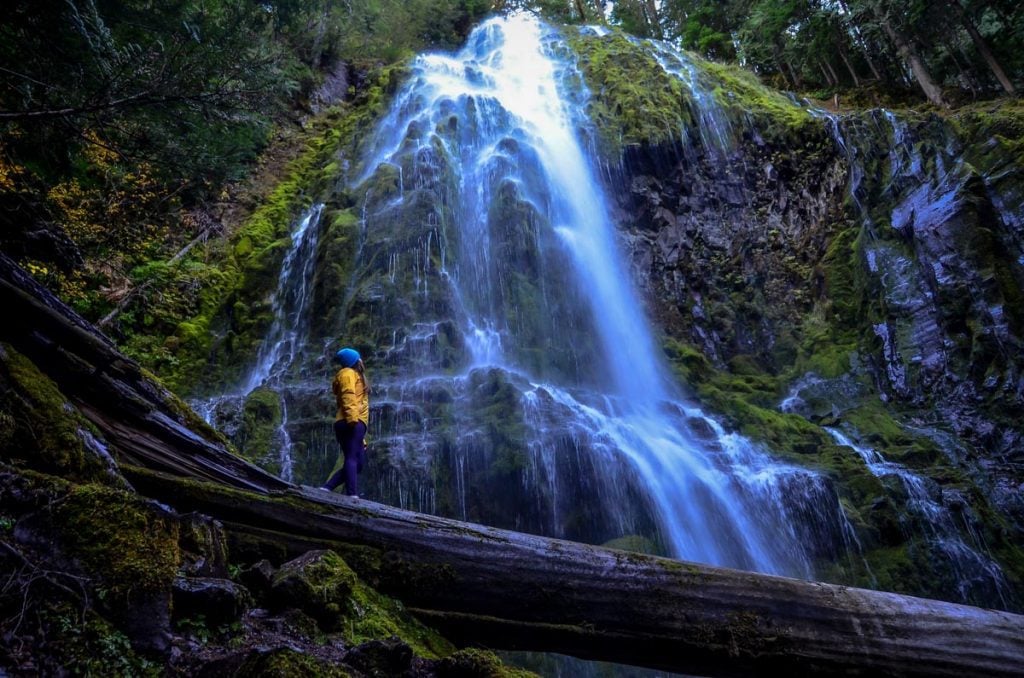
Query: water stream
(285, 339)
(926, 519)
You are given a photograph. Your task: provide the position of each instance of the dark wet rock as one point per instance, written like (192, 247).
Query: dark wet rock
(218, 601)
(258, 578)
(204, 547)
(391, 657)
(147, 621)
(702, 429)
(334, 89)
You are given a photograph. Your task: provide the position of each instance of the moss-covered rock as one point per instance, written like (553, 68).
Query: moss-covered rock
(322, 585)
(633, 100)
(131, 544)
(257, 438)
(476, 663)
(285, 662)
(40, 429)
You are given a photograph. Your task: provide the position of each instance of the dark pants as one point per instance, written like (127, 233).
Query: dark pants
(353, 450)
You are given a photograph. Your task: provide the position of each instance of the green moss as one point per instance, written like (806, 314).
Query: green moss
(125, 541)
(689, 364)
(878, 428)
(634, 101)
(634, 543)
(475, 663)
(322, 585)
(39, 428)
(339, 243)
(287, 663)
(741, 93)
(256, 437)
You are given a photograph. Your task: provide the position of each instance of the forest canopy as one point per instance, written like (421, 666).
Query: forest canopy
(122, 122)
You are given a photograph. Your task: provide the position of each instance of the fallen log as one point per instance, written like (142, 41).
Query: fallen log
(503, 589)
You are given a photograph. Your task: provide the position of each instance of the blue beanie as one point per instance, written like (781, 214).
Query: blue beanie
(347, 357)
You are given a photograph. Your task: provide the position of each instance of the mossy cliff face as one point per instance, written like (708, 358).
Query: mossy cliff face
(860, 272)
(207, 326)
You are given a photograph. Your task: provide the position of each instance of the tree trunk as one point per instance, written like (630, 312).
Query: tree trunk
(931, 90)
(500, 589)
(782, 64)
(982, 47)
(835, 76)
(579, 8)
(828, 77)
(846, 60)
(785, 76)
(651, 11)
(496, 588)
(965, 75)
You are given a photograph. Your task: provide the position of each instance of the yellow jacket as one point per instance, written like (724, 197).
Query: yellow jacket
(353, 400)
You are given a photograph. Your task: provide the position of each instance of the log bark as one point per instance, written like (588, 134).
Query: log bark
(503, 589)
(142, 422)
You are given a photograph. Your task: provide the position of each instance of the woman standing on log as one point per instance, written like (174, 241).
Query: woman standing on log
(352, 393)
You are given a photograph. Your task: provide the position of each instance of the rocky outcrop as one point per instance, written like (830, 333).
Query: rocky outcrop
(865, 273)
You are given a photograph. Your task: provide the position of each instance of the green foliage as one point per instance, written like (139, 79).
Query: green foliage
(390, 30)
(830, 47)
(90, 646)
(704, 26)
(118, 120)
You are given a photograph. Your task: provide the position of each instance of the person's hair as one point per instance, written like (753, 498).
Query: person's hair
(360, 369)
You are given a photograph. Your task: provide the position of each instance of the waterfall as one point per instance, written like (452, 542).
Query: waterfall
(713, 126)
(285, 338)
(530, 355)
(290, 326)
(978, 577)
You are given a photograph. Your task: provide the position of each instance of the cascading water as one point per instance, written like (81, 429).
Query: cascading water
(286, 337)
(713, 124)
(527, 352)
(289, 329)
(978, 577)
